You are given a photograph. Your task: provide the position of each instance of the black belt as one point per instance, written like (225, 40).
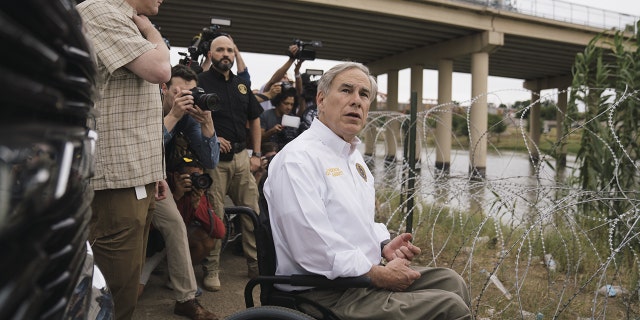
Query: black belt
(238, 146)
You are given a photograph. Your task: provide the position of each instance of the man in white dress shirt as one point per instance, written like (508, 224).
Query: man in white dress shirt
(321, 201)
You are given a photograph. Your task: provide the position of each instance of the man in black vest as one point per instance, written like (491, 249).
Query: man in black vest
(233, 175)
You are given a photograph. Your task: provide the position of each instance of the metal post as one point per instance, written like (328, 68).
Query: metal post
(412, 160)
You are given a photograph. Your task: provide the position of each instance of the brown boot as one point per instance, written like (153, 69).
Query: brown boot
(192, 309)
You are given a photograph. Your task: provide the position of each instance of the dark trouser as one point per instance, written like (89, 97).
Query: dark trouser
(439, 293)
(118, 235)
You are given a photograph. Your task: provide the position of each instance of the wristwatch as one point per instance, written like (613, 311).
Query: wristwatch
(257, 154)
(384, 243)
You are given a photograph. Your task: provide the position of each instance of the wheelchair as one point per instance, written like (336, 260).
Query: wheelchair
(231, 220)
(278, 304)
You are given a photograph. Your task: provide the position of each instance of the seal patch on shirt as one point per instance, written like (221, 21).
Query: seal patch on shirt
(242, 88)
(334, 172)
(361, 171)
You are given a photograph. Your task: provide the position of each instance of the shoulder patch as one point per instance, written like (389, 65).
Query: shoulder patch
(242, 88)
(361, 171)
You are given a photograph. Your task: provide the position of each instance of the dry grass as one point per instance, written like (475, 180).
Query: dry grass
(567, 293)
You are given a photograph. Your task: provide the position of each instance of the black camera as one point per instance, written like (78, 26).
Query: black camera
(285, 85)
(201, 181)
(304, 53)
(206, 101)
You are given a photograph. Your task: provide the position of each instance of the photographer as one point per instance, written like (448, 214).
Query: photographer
(196, 128)
(188, 129)
(273, 129)
(274, 85)
(188, 184)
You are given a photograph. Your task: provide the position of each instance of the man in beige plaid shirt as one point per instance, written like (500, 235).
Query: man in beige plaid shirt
(132, 60)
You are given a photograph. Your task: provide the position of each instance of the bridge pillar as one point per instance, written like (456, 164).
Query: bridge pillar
(535, 127)
(393, 126)
(479, 114)
(443, 123)
(535, 86)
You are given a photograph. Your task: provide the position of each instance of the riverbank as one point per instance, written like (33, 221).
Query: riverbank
(513, 140)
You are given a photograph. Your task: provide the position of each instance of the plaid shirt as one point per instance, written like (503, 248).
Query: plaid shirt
(129, 149)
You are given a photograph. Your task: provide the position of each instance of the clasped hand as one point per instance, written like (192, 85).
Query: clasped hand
(400, 247)
(396, 274)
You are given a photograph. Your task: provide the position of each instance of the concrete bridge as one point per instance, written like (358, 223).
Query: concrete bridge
(480, 37)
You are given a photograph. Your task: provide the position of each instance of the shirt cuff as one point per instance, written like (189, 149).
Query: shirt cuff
(166, 135)
(350, 265)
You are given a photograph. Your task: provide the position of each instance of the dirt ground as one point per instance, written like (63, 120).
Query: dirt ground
(157, 301)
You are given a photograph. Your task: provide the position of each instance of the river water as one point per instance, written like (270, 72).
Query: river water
(512, 189)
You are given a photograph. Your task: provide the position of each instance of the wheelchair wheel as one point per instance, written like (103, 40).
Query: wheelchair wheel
(233, 236)
(229, 227)
(269, 313)
(234, 231)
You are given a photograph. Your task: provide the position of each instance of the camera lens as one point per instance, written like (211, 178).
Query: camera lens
(211, 101)
(201, 181)
(206, 101)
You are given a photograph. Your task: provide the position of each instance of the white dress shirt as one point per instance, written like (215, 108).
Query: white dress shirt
(322, 204)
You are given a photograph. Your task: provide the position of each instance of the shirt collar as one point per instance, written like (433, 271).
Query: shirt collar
(219, 75)
(332, 140)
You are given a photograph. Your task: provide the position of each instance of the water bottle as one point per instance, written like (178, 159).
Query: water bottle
(611, 291)
(497, 283)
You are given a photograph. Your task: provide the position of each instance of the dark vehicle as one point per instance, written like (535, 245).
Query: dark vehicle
(46, 160)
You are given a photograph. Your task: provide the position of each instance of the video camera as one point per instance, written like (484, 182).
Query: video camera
(304, 53)
(202, 41)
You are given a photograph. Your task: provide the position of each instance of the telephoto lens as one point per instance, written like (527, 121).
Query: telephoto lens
(206, 101)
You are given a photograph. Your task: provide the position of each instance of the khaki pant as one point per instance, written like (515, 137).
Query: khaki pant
(169, 222)
(234, 178)
(118, 234)
(439, 293)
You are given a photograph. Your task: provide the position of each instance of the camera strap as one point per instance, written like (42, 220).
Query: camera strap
(262, 96)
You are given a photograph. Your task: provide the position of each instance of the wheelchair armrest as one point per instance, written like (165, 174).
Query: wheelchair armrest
(322, 282)
(305, 281)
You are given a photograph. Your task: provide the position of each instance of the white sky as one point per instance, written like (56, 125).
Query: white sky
(501, 90)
